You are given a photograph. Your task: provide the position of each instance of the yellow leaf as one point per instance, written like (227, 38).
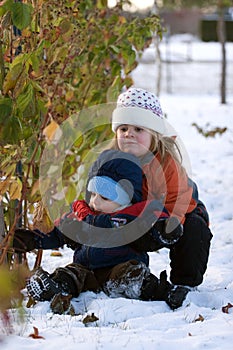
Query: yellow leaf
(35, 187)
(69, 95)
(50, 131)
(4, 185)
(11, 281)
(15, 189)
(56, 253)
(26, 33)
(5, 283)
(41, 220)
(9, 169)
(122, 19)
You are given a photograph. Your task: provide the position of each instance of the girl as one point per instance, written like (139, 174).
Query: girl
(141, 130)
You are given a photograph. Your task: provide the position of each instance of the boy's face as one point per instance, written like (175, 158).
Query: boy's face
(101, 204)
(133, 139)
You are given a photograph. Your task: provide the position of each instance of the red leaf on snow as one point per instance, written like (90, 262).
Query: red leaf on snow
(36, 335)
(226, 308)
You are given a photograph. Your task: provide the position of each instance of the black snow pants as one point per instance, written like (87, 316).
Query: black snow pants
(189, 256)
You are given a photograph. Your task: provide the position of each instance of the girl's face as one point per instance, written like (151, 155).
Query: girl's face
(133, 139)
(101, 204)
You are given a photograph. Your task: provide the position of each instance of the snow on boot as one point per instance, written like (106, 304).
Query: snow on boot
(41, 286)
(126, 280)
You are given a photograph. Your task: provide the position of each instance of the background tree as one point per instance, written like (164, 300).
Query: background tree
(220, 7)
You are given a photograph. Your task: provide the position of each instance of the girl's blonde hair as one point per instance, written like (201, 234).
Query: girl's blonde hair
(162, 144)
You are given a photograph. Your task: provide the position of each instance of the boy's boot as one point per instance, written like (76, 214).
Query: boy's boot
(41, 287)
(126, 279)
(160, 289)
(73, 279)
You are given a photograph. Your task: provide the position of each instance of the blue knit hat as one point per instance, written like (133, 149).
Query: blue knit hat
(110, 189)
(117, 176)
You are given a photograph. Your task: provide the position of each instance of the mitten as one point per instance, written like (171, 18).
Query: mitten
(149, 242)
(71, 243)
(170, 230)
(24, 240)
(164, 233)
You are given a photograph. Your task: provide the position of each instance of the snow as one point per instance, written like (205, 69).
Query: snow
(190, 66)
(133, 324)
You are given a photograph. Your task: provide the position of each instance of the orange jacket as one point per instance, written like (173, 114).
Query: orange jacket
(169, 183)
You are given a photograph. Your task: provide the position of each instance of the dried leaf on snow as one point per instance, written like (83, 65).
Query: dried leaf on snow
(226, 308)
(36, 335)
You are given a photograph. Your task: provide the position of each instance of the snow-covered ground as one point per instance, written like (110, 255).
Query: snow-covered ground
(132, 324)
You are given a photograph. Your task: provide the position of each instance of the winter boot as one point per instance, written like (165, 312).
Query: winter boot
(71, 279)
(160, 289)
(75, 278)
(176, 296)
(125, 280)
(41, 286)
(154, 288)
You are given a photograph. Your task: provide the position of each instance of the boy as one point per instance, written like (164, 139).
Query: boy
(114, 197)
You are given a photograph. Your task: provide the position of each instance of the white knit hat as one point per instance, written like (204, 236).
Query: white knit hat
(141, 108)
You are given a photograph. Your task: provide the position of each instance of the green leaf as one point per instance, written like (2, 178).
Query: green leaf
(11, 130)
(115, 49)
(102, 4)
(5, 108)
(71, 193)
(21, 15)
(6, 6)
(65, 26)
(35, 62)
(26, 102)
(27, 132)
(12, 77)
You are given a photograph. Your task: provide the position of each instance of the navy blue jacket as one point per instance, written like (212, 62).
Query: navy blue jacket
(94, 257)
